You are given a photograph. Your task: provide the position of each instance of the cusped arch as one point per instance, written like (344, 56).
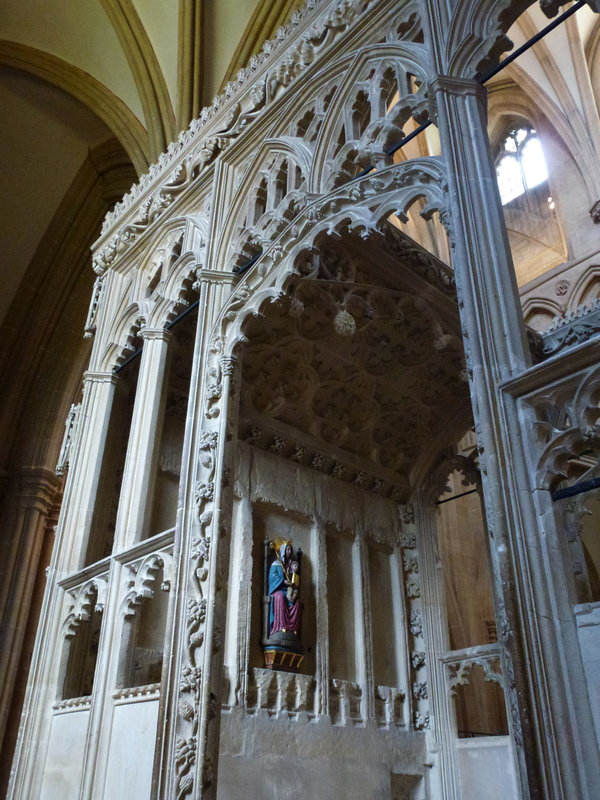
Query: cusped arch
(577, 432)
(477, 33)
(409, 56)
(541, 306)
(89, 598)
(164, 278)
(435, 483)
(362, 208)
(240, 226)
(285, 275)
(142, 586)
(122, 336)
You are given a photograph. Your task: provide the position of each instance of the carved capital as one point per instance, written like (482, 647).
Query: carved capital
(93, 376)
(37, 488)
(156, 334)
(465, 87)
(595, 212)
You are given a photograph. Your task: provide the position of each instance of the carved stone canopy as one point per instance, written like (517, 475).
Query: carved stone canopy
(363, 355)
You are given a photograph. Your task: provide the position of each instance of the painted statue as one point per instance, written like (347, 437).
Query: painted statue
(284, 590)
(282, 606)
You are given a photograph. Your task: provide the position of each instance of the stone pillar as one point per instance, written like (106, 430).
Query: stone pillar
(550, 717)
(35, 494)
(442, 734)
(363, 633)
(401, 635)
(240, 582)
(188, 727)
(209, 711)
(83, 478)
(72, 535)
(142, 452)
(319, 534)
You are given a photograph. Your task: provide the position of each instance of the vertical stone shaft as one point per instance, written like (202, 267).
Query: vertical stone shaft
(210, 698)
(319, 533)
(132, 520)
(435, 623)
(83, 479)
(142, 452)
(73, 531)
(554, 737)
(363, 633)
(401, 631)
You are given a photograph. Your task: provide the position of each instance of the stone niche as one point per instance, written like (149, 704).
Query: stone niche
(314, 733)
(271, 522)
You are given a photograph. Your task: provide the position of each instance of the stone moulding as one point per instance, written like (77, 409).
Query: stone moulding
(72, 704)
(336, 466)
(137, 694)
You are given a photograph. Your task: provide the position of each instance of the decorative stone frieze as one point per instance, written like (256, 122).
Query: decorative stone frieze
(572, 329)
(257, 86)
(72, 704)
(150, 691)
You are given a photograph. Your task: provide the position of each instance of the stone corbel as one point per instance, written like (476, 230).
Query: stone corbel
(69, 436)
(595, 209)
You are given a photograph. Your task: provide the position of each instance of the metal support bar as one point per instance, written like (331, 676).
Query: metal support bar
(498, 68)
(577, 488)
(534, 39)
(455, 497)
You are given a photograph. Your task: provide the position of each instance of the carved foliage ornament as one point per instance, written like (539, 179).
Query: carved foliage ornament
(142, 585)
(190, 678)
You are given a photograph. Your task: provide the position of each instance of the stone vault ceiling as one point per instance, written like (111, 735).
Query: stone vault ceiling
(375, 372)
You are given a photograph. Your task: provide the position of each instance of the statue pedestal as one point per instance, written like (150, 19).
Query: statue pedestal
(283, 660)
(283, 652)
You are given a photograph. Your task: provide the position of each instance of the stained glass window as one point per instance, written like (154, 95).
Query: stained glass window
(520, 165)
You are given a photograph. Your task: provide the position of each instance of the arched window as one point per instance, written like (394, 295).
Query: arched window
(520, 165)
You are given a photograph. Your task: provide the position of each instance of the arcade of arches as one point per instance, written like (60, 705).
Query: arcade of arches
(301, 471)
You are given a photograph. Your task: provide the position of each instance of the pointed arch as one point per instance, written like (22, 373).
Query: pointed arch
(89, 91)
(410, 57)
